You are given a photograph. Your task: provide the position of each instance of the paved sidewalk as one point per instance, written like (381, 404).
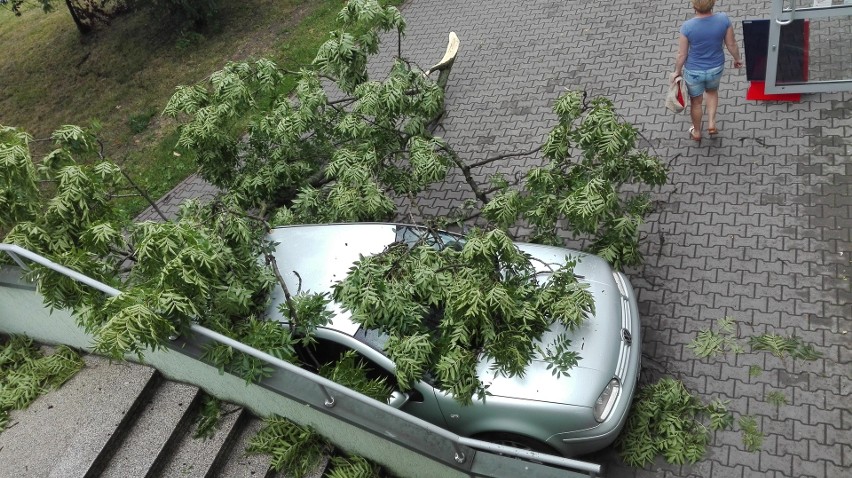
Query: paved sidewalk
(755, 224)
(192, 187)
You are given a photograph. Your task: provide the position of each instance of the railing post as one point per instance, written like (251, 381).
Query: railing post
(18, 260)
(459, 456)
(329, 400)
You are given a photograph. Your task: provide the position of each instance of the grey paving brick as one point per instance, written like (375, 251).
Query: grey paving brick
(780, 305)
(745, 389)
(723, 389)
(770, 462)
(756, 303)
(833, 384)
(803, 308)
(737, 455)
(811, 432)
(829, 453)
(769, 291)
(807, 279)
(791, 447)
(727, 301)
(808, 468)
(737, 471)
(776, 278)
(769, 319)
(729, 372)
(703, 469)
(822, 366)
(759, 406)
(700, 299)
(781, 427)
(835, 471)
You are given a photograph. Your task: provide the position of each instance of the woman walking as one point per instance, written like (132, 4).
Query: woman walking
(701, 61)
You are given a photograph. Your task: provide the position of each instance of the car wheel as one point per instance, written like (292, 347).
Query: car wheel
(517, 441)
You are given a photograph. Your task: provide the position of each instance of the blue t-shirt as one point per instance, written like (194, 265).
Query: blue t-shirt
(706, 36)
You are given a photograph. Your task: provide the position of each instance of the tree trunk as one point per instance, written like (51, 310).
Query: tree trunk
(81, 27)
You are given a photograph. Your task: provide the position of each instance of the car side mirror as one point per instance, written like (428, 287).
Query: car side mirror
(397, 399)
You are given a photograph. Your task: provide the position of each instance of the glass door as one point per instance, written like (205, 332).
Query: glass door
(810, 46)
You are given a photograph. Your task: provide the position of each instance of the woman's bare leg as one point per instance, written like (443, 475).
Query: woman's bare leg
(696, 112)
(712, 105)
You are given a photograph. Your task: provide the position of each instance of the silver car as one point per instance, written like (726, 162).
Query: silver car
(569, 415)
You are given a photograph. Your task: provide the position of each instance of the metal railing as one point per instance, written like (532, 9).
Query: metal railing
(461, 453)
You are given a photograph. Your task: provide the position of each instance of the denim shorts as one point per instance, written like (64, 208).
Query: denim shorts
(698, 81)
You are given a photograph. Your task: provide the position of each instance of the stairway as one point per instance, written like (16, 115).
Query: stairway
(120, 419)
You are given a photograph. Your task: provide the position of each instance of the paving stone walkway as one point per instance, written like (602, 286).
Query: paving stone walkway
(755, 224)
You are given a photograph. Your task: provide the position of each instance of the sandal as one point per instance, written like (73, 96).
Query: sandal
(692, 136)
(712, 131)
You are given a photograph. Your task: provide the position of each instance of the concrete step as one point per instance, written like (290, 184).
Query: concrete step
(161, 420)
(238, 464)
(72, 431)
(200, 457)
(120, 419)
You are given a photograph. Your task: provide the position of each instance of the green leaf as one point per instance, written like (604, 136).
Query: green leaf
(26, 373)
(353, 467)
(706, 344)
(781, 346)
(776, 398)
(710, 344)
(351, 372)
(751, 434)
(665, 419)
(292, 447)
(208, 418)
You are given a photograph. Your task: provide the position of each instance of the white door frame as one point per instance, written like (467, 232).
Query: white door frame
(781, 16)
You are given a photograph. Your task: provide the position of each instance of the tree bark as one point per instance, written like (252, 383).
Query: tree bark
(83, 28)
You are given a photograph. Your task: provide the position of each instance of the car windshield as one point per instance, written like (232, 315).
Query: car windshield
(372, 337)
(411, 235)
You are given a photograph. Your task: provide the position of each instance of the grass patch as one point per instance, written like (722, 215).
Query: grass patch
(123, 74)
(139, 122)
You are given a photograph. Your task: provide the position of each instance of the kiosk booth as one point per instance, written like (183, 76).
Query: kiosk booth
(804, 47)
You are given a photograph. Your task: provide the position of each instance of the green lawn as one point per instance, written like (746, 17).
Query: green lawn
(122, 75)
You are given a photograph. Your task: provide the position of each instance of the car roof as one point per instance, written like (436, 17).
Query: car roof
(312, 258)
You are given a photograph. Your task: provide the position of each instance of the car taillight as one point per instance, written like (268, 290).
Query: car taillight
(606, 400)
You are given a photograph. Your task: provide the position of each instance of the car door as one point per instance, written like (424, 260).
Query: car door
(419, 401)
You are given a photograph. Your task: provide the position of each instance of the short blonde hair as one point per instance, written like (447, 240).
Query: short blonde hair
(703, 6)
